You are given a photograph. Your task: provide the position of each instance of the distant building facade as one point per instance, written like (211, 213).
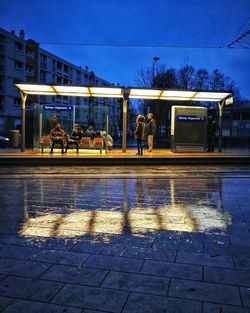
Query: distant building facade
(24, 61)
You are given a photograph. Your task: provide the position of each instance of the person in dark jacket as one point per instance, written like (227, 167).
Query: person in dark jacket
(151, 131)
(139, 133)
(57, 136)
(212, 132)
(75, 137)
(51, 122)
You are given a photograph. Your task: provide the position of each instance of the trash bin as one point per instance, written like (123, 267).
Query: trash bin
(15, 138)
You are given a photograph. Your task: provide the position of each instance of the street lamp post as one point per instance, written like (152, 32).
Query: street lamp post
(155, 60)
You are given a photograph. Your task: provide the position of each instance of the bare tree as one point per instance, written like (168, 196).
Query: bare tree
(186, 77)
(217, 80)
(201, 79)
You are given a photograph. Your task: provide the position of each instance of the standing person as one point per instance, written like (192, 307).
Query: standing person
(212, 132)
(151, 131)
(139, 133)
(57, 136)
(51, 122)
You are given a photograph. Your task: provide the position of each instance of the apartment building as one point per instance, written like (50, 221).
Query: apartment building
(24, 60)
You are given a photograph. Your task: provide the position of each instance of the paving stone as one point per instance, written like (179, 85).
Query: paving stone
(22, 268)
(49, 243)
(204, 291)
(24, 306)
(4, 302)
(242, 263)
(30, 289)
(231, 250)
(227, 276)
(183, 245)
(150, 253)
(114, 263)
(165, 269)
(192, 236)
(205, 259)
(76, 275)
(93, 311)
(168, 234)
(61, 257)
(98, 248)
(245, 294)
(132, 241)
(91, 298)
(215, 239)
(140, 303)
(137, 283)
(17, 252)
(214, 308)
(238, 240)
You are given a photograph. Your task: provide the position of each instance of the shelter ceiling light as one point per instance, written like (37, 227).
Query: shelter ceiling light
(72, 91)
(213, 96)
(144, 93)
(31, 89)
(106, 92)
(178, 95)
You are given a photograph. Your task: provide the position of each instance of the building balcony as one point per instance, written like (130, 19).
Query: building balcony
(43, 65)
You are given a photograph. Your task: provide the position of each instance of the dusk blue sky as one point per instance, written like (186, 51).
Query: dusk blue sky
(182, 23)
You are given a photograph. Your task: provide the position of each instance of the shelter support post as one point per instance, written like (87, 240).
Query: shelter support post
(124, 125)
(107, 132)
(220, 105)
(23, 113)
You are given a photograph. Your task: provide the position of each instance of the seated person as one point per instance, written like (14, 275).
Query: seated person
(75, 137)
(90, 132)
(57, 136)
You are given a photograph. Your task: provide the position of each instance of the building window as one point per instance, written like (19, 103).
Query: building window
(59, 80)
(78, 76)
(58, 99)
(66, 68)
(43, 61)
(17, 102)
(65, 99)
(43, 99)
(18, 47)
(59, 66)
(30, 53)
(43, 58)
(245, 116)
(29, 70)
(43, 76)
(18, 65)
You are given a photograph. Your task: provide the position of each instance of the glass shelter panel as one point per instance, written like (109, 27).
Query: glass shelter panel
(47, 116)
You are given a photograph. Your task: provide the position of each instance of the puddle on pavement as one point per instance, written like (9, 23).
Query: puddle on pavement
(71, 208)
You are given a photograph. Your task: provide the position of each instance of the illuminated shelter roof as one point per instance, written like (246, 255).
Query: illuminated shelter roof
(118, 92)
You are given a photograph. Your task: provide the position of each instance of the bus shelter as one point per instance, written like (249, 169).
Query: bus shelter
(220, 97)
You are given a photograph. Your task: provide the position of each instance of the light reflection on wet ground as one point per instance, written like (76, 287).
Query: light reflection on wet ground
(74, 207)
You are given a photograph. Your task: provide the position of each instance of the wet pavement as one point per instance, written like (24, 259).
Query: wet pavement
(165, 239)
